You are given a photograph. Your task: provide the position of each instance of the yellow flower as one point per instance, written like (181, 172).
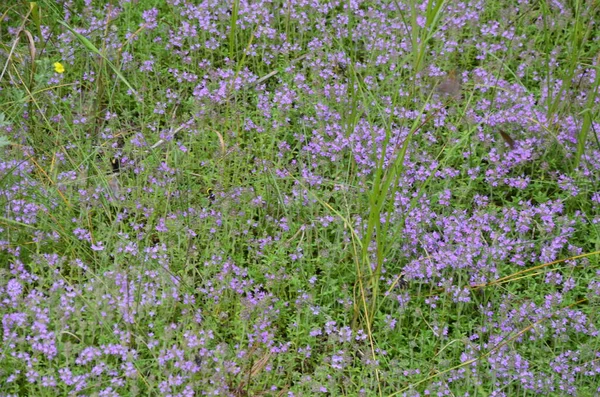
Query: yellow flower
(58, 67)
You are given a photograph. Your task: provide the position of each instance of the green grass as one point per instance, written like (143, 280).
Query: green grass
(220, 226)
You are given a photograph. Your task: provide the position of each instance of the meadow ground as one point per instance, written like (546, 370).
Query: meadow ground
(299, 198)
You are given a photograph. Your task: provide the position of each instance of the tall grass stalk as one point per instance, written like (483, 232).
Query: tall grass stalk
(420, 36)
(233, 28)
(581, 29)
(589, 114)
(385, 178)
(384, 185)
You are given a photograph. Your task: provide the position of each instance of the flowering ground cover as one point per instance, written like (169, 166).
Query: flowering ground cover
(298, 198)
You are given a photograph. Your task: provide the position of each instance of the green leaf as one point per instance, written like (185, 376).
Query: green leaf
(4, 141)
(3, 122)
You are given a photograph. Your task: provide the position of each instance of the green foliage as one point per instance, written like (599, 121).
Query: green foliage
(219, 202)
